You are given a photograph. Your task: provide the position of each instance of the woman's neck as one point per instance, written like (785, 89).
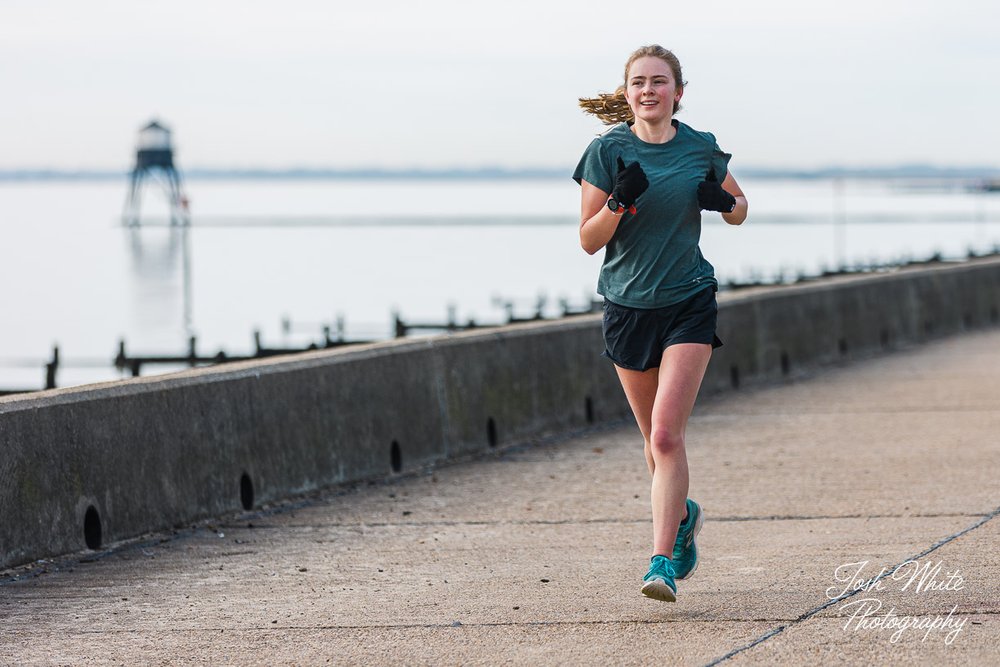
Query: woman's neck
(660, 133)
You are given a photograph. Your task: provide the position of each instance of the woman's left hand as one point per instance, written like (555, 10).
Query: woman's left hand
(711, 196)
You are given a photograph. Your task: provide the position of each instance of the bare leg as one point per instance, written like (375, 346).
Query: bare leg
(640, 389)
(662, 401)
(681, 373)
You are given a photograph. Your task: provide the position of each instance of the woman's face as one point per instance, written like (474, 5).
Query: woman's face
(651, 90)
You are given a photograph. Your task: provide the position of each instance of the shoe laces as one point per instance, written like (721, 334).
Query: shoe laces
(662, 565)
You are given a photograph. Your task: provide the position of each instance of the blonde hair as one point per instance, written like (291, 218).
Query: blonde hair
(613, 108)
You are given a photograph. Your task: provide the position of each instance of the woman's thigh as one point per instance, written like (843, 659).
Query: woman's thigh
(640, 390)
(678, 381)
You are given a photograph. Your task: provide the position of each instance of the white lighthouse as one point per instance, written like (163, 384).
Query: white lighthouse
(155, 161)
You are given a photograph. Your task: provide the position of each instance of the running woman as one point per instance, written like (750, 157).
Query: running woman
(644, 183)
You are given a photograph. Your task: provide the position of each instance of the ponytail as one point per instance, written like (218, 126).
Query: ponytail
(611, 108)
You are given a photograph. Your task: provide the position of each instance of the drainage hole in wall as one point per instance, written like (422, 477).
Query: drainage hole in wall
(246, 492)
(883, 338)
(967, 320)
(588, 409)
(734, 376)
(785, 365)
(928, 327)
(491, 432)
(92, 528)
(842, 345)
(396, 457)
(994, 315)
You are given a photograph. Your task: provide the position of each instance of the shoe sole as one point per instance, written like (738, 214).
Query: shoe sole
(658, 590)
(697, 529)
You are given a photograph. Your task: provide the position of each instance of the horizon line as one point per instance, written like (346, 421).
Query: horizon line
(903, 170)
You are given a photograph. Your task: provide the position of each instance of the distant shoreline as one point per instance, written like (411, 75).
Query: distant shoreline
(492, 174)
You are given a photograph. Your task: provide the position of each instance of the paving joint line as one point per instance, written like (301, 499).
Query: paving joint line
(560, 522)
(829, 603)
(429, 626)
(422, 626)
(735, 415)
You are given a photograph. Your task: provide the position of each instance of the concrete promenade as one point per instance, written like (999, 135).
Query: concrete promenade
(534, 555)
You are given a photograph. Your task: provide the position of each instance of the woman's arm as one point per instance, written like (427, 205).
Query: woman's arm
(597, 222)
(738, 214)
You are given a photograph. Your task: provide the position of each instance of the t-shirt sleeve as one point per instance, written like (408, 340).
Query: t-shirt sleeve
(595, 167)
(720, 162)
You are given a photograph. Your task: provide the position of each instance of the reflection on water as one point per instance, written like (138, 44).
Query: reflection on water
(160, 272)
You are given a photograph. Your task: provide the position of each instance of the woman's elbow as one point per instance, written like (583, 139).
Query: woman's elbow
(589, 246)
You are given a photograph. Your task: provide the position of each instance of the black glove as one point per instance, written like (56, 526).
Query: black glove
(630, 182)
(711, 196)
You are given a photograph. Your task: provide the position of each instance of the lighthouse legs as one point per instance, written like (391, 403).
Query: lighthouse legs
(131, 215)
(171, 181)
(178, 202)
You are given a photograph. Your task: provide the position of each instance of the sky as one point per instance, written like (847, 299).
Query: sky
(462, 84)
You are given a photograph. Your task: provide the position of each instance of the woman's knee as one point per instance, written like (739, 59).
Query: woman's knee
(666, 442)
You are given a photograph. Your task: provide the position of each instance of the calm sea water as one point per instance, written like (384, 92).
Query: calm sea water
(288, 257)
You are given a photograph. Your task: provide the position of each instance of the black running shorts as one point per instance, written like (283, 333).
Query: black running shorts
(635, 338)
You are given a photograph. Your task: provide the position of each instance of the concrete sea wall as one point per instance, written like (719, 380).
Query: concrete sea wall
(86, 466)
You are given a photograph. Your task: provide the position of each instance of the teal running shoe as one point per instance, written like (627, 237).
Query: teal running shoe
(685, 554)
(659, 581)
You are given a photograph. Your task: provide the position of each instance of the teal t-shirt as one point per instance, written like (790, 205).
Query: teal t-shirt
(653, 260)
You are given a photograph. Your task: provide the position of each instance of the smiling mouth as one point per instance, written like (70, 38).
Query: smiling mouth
(649, 103)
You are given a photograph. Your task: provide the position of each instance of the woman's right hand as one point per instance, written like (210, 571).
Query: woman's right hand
(597, 221)
(630, 182)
